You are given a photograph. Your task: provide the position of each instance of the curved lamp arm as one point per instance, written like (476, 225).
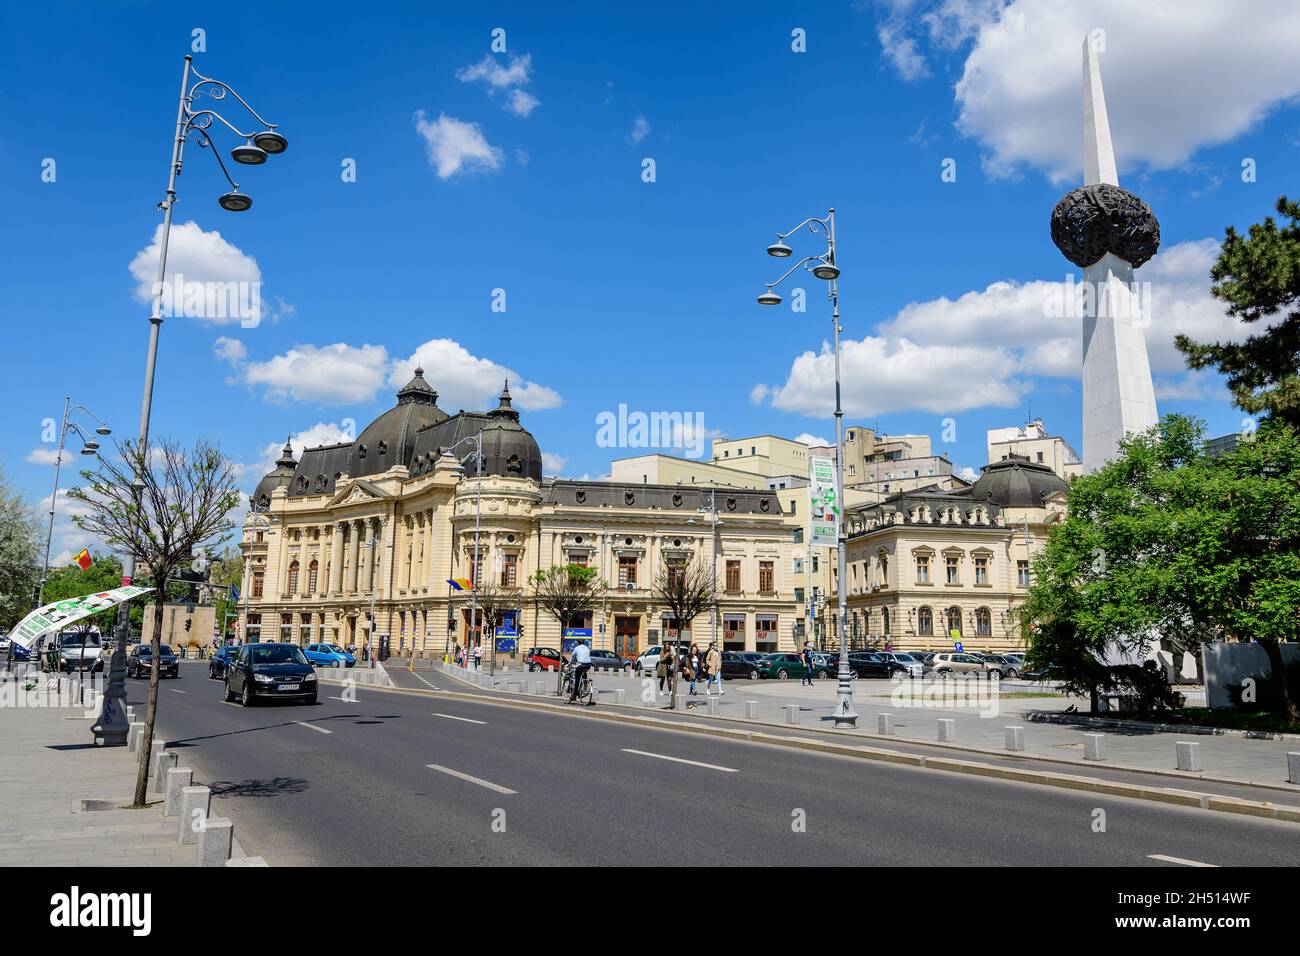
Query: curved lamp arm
(205, 142)
(812, 222)
(802, 262)
(219, 93)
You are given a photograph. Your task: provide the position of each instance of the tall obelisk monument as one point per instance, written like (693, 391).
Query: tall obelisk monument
(1109, 232)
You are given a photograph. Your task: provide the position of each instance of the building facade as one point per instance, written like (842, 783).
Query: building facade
(932, 567)
(1034, 442)
(360, 541)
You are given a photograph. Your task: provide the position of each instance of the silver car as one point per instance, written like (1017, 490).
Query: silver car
(911, 666)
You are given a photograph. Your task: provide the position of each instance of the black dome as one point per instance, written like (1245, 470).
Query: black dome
(390, 439)
(279, 477)
(1017, 482)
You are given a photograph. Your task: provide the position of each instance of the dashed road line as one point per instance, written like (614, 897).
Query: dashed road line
(466, 777)
(693, 763)
(319, 730)
(1179, 860)
(465, 719)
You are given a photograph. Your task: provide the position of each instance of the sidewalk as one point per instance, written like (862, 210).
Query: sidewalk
(53, 776)
(978, 729)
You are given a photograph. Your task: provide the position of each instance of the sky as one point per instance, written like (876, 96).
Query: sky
(580, 202)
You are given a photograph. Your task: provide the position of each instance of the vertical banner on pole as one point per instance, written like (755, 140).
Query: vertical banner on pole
(824, 503)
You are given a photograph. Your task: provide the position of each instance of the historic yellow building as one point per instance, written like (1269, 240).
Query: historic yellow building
(387, 520)
(933, 566)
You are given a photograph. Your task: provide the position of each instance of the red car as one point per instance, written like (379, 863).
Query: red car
(542, 658)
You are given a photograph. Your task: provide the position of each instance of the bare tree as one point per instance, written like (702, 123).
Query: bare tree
(492, 603)
(159, 503)
(686, 590)
(566, 591)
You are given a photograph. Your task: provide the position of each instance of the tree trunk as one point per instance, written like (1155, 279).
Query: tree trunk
(1283, 702)
(146, 745)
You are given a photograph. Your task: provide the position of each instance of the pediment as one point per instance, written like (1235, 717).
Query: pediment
(357, 491)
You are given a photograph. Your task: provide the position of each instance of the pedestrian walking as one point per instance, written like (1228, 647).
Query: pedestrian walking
(692, 664)
(662, 670)
(807, 658)
(478, 656)
(713, 667)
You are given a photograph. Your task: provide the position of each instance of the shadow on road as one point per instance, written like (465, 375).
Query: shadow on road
(258, 788)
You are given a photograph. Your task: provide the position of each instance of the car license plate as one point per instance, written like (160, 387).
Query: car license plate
(287, 687)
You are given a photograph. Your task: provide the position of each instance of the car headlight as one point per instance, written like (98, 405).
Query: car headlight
(311, 676)
(264, 678)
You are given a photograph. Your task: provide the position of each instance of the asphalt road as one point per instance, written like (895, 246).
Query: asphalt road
(353, 785)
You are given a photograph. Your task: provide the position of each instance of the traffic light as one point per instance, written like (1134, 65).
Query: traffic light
(188, 623)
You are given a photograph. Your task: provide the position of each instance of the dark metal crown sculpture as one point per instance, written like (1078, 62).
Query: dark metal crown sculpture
(1097, 219)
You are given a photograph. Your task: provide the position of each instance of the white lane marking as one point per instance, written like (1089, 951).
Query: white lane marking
(344, 699)
(1179, 860)
(464, 776)
(421, 677)
(693, 763)
(175, 691)
(319, 730)
(465, 719)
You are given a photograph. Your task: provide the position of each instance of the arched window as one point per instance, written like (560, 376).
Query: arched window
(983, 622)
(293, 578)
(925, 622)
(884, 620)
(313, 571)
(954, 621)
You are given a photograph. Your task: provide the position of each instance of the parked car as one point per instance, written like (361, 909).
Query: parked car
(911, 666)
(542, 658)
(80, 651)
(735, 665)
(784, 666)
(139, 661)
(648, 660)
(220, 662)
(872, 664)
(328, 655)
(604, 659)
(950, 664)
(999, 665)
(270, 672)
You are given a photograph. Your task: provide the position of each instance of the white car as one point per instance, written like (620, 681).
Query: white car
(80, 650)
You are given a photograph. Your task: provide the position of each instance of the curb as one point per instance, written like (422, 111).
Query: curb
(1204, 801)
(1196, 730)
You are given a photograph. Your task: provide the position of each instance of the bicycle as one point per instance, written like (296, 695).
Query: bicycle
(586, 691)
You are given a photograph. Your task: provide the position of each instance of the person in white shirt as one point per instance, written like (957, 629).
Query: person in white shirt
(581, 661)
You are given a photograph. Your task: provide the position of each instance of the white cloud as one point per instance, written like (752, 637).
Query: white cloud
(208, 278)
(758, 394)
(640, 130)
(1179, 75)
(468, 381)
(553, 464)
(489, 70)
(521, 103)
(68, 539)
(42, 455)
(923, 357)
(337, 374)
(968, 473)
(813, 441)
(456, 146)
(901, 52)
(229, 350)
(322, 433)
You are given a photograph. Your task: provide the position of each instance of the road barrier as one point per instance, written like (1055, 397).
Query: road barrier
(164, 760)
(947, 730)
(1188, 755)
(178, 778)
(792, 713)
(1015, 738)
(195, 805)
(714, 706)
(1293, 768)
(216, 837)
(885, 724)
(1094, 746)
(134, 734)
(751, 710)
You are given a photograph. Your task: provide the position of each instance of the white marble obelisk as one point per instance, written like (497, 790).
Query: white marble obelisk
(1118, 395)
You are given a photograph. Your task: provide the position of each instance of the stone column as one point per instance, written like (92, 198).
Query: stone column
(368, 565)
(354, 553)
(305, 576)
(282, 571)
(335, 584)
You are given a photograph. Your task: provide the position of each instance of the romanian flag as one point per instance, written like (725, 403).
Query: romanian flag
(83, 560)
(461, 584)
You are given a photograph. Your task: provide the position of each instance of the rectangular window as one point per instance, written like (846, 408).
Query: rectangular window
(798, 535)
(286, 627)
(1022, 573)
(509, 570)
(953, 574)
(733, 575)
(922, 569)
(579, 559)
(981, 570)
(627, 572)
(766, 577)
(257, 584)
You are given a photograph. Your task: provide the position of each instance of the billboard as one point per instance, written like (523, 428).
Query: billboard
(58, 615)
(823, 504)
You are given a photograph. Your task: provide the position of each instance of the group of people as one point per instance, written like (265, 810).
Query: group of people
(469, 656)
(696, 668)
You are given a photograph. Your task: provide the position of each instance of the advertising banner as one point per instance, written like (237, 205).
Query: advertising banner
(824, 503)
(54, 617)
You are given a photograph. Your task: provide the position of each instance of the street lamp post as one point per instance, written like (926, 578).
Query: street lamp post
(824, 267)
(258, 144)
(88, 447)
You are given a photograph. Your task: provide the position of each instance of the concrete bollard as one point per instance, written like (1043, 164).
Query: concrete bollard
(1094, 746)
(714, 708)
(1015, 738)
(751, 710)
(947, 730)
(134, 734)
(620, 695)
(215, 840)
(196, 802)
(164, 761)
(130, 715)
(539, 688)
(792, 713)
(1293, 768)
(1188, 754)
(885, 724)
(177, 780)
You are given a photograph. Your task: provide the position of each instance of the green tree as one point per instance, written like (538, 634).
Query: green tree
(228, 569)
(104, 574)
(1170, 542)
(566, 592)
(1259, 277)
(20, 555)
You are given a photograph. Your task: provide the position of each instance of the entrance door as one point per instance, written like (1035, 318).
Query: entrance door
(626, 630)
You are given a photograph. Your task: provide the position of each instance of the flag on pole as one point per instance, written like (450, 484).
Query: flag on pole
(83, 560)
(461, 584)
(234, 592)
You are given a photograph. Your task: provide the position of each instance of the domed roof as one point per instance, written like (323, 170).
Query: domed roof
(508, 447)
(279, 477)
(390, 439)
(1017, 482)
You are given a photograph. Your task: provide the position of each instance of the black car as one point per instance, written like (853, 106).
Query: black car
(603, 659)
(139, 661)
(270, 671)
(867, 664)
(220, 662)
(736, 664)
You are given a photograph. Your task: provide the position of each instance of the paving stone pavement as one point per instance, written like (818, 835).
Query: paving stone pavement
(49, 766)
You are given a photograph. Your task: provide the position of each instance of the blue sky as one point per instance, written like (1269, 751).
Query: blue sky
(522, 171)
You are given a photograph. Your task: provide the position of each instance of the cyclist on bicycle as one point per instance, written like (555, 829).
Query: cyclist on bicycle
(580, 661)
